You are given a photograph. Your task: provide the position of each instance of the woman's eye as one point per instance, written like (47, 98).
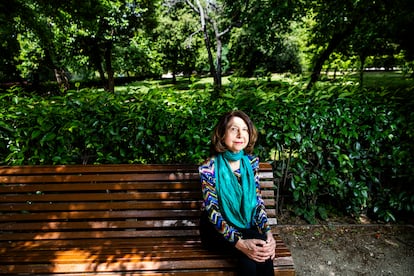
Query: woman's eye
(236, 129)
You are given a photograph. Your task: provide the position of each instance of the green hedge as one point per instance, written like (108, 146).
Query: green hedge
(336, 148)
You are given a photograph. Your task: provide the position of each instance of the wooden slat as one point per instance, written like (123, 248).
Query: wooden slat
(267, 184)
(92, 243)
(156, 241)
(101, 255)
(103, 168)
(87, 178)
(102, 225)
(104, 215)
(191, 272)
(114, 265)
(92, 169)
(117, 186)
(127, 254)
(96, 235)
(30, 202)
(85, 206)
(105, 196)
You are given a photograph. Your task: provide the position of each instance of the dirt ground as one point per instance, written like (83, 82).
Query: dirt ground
(350, 249)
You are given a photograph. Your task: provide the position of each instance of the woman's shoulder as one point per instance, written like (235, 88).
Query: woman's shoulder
(207, 166)
(254, 161)
(253, 158)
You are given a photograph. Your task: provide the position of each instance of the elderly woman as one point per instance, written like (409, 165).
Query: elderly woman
(234, 216)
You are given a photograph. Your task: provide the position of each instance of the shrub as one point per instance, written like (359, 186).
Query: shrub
(335, 147)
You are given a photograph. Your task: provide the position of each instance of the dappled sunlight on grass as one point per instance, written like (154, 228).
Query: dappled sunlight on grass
(371, 80)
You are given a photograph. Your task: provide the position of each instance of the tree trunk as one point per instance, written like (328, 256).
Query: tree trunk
(218, 69)
(361, 70)
(336, 39)
(61, 79)
(174, 77)
(109, 70)
(215, 70)
(60, 73)
(96, 60)
(207, 42)
(316, 72)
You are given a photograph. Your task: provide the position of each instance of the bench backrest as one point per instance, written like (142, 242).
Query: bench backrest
(105, 201)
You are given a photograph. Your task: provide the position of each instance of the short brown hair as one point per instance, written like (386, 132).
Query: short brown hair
(217, 139)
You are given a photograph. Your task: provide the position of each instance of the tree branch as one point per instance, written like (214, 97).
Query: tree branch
(193, 6)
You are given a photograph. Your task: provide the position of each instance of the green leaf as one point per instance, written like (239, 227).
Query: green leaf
(36, 134)
(48, 137)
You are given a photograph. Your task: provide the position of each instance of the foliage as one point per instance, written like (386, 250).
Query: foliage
(216, 20)
(44, 40)
(62, 36)
(352, 28)
(179, 46)
(265, 43)
(140, 59)
(347, 148)
(9, 44)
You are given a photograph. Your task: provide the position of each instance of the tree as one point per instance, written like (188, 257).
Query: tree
(104, 25)
(9, 47)
(341, 23)
(402, 17)
(177, 40)
(66, 32)
(336, 21)
(218, 18)
(30, 32)
(139, 59)
(265, 42)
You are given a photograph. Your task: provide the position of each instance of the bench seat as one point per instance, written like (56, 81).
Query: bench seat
(112, 220)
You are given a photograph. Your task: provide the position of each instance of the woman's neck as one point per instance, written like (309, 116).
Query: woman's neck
(234, 165)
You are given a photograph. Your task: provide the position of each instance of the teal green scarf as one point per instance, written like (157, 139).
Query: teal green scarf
(237, 201)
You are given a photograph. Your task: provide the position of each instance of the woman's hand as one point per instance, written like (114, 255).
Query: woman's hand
(271, 243)
(258, 250)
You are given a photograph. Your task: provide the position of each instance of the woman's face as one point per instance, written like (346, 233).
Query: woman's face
(236, 136)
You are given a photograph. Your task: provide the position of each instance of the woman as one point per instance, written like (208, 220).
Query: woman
(234, 217)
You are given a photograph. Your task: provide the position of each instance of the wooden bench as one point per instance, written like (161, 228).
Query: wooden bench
(111, 220)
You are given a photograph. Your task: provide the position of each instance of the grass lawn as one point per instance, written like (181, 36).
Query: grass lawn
(372, 80)
(387, 79)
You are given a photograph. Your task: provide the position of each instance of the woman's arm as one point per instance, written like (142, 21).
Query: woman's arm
(211, 204)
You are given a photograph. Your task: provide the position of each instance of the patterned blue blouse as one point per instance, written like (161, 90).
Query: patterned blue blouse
(211, 203)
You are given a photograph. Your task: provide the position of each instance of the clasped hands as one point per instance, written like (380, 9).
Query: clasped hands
(258, 250)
